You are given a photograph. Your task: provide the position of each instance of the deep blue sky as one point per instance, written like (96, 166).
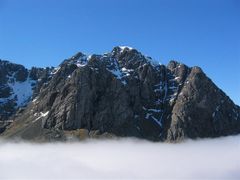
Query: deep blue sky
(205, 33)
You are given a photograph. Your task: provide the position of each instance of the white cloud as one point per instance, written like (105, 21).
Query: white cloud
(126, 158)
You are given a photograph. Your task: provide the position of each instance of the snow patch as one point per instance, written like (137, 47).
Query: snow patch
(148, 115)
(115, 70)
(155, 110)
(21, 91)
(55, 70)
(41, 115)
(82, 61)
(126, 72)
(34, 100)
(157, 121)
(125, 47)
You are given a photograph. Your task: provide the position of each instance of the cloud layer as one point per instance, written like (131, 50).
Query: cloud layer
(126, 158)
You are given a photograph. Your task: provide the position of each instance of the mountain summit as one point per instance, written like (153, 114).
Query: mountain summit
(121, 93)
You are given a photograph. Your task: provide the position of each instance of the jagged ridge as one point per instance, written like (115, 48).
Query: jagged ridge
(127, 94)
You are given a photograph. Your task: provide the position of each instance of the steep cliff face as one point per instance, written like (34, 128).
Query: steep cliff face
(125, 93)
(202, 110)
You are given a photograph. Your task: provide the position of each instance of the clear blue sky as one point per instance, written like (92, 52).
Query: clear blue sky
(205, 33)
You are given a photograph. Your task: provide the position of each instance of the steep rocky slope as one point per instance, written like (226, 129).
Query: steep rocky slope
(122, 93)
(17, 86)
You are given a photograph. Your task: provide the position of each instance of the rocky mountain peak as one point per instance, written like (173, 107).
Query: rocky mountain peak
(78, 59)
(123, 93)
(118, 50)
(128, 56)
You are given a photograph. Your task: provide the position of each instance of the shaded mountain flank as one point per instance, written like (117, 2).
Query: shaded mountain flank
(118, 94)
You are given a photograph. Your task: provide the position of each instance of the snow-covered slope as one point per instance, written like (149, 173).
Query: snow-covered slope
(17, 86)
(21, 92)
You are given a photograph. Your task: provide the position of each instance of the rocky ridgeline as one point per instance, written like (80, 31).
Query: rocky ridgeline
(121, 93)
(18, 86)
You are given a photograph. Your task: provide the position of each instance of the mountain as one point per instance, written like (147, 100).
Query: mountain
(17, 86)
(121, 93)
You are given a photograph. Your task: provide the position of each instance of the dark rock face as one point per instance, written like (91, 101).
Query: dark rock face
(124, 93)
(17, 86)
(202, 110)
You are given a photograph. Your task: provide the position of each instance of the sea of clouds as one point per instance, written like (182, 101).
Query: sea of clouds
(122, 159)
